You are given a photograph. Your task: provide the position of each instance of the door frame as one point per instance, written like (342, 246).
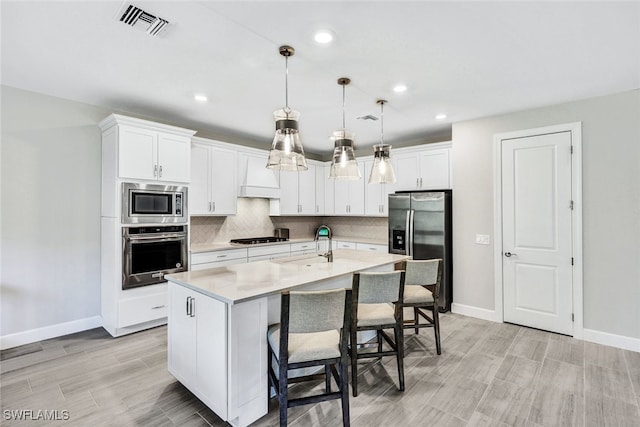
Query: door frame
(575, 129)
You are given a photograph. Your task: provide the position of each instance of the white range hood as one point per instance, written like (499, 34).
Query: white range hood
(258, 181)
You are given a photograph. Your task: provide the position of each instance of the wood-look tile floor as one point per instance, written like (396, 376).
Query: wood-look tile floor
(489, 374)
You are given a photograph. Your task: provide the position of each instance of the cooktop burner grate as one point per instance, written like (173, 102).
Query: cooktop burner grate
(258, 240)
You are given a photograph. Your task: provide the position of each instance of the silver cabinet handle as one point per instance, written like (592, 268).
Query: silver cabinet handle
(509, 254)
(209, 206)
(221, 256)
(193, 307)
(160, 171)
(155, 171)
(213, 206)
(157, 307)
(188, 306)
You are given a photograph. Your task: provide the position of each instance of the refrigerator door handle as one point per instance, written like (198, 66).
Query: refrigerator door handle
(410, 232)
(407, 230)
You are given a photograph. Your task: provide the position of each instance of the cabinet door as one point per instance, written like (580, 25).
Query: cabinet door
(341, 197)
(224, 187)
(406, 169)
(329, 192)
(373, 194)
(181, 336)
(356, 193)
(174, 158)
(434, 169)
(199, 189)
(307, 191)
(137, 153)
(320, 185)
(289, 193)
(211, 363)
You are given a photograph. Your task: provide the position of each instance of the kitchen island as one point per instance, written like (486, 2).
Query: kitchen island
(218, 319)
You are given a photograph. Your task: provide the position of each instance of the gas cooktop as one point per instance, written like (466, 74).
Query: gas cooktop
(258, 240)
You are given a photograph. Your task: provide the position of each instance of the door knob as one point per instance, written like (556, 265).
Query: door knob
(508, 254)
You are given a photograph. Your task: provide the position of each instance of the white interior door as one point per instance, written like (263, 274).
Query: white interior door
(537, 246)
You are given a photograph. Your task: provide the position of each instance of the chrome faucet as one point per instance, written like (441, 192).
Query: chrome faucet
(325, 232)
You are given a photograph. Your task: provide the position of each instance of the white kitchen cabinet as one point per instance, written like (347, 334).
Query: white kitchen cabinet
(260, 253)
(303, 248)
(340, 244)
(298, 192)
(197, 324)
(151, 155)
(213, 189)
(349, 195)
(369, 247)
(319, 189)
(213, 259)
(423, 168)
(376, 195)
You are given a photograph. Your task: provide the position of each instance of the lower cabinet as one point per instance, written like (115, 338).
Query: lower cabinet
(197, 326)
(219, 352)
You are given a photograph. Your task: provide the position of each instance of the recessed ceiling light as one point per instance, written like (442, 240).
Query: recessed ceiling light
(200, 97)
(323, 36)
(441, 116)
(400, 88)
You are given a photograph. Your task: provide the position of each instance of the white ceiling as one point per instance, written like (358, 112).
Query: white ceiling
(465, 59)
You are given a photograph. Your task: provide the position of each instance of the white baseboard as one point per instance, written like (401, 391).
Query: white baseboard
(612, 340)
(39, 334)
(477, 312)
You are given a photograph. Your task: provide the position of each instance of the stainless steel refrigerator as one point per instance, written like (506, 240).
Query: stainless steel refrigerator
(420, 226)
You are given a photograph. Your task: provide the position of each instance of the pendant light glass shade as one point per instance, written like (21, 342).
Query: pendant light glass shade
(382, 169)
(343, 162)
(286, 152)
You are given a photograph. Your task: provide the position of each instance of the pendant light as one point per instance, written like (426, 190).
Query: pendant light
(286, 152)
(343, 163)
(382, 170)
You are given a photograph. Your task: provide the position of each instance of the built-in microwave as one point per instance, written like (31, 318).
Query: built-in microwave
(153, 204)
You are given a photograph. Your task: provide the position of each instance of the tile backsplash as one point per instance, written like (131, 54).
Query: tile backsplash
(253, 220)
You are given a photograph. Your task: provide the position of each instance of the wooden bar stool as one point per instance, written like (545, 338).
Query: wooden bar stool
(421, 290)
(372, 308)
(313, 331)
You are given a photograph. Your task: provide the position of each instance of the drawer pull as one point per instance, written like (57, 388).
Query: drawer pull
(158, 307)
(221, 256)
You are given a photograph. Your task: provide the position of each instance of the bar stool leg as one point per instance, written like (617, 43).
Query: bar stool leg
(415, 319)
(436, 327)
(354, 363)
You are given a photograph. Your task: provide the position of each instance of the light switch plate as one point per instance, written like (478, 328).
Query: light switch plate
(482, 239)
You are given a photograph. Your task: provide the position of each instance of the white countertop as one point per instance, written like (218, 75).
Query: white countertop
(223, 246)
(241, 282)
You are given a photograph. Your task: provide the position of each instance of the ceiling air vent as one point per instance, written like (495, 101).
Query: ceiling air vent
(138, 18)
(367, 117)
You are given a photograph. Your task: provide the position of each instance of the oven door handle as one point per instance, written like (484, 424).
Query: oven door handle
(157, 237)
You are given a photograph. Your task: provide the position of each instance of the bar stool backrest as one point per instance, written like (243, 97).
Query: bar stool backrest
(316, 311)
(379, 287)
(424, 272)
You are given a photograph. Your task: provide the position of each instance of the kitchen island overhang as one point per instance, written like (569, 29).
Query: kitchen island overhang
(218, 320)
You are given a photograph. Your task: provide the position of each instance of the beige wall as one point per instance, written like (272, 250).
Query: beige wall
(611, 206)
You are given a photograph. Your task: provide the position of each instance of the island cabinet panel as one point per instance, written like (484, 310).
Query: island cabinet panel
(247, 368)
(196, 345)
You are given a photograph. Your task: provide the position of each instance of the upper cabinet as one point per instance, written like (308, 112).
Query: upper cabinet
(349, 195)
(213, 189)
(376, 195)
(146, 150)
(423, 168)
(297, 193)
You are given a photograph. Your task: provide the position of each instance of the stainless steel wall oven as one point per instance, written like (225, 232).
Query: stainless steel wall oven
(150, 252)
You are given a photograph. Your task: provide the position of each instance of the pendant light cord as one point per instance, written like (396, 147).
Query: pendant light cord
(286, 84)
(343, 120)
(382, 124)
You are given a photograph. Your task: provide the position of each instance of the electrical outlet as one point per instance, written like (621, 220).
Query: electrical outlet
(482, 239)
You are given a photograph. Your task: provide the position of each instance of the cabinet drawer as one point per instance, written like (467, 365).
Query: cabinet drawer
(345, 245)
(303, 246)
(268, 256)
(269, 250)
(371, 247)
(213, 256)
(216, 264)
(142, 309)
